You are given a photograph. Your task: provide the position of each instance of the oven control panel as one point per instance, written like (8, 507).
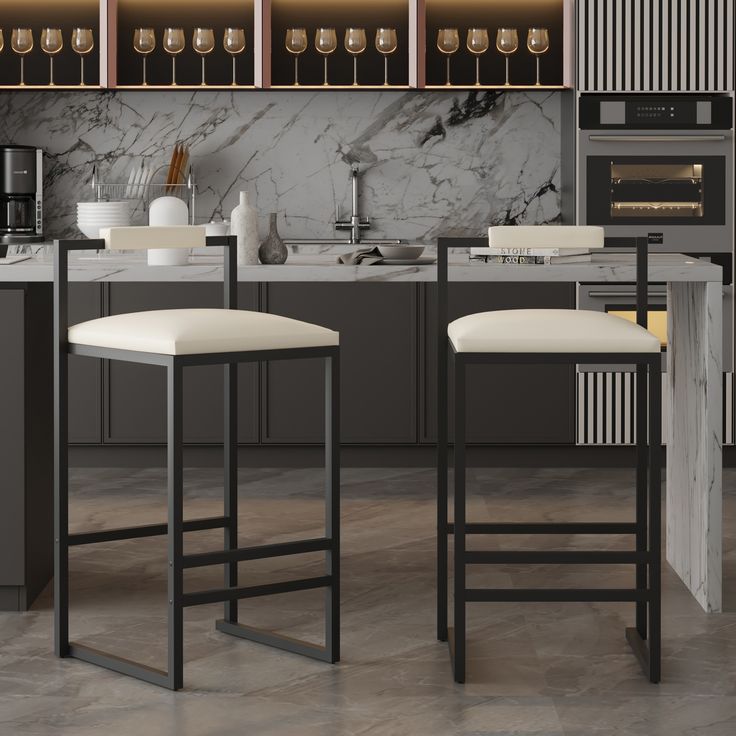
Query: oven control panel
(656, 112)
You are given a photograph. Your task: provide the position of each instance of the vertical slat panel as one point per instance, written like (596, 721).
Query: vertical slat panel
(656, 46)
(647, 50)
(729, 46)
(618, 84)
(609, 44)
(692, 45)
(600, 49)
(682, 81)
(666, 34)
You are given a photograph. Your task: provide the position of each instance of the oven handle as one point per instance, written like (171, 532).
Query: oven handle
(613, 294)
(657, 138)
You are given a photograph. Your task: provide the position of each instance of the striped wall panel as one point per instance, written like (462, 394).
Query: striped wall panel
(607, 408)
(655, 45)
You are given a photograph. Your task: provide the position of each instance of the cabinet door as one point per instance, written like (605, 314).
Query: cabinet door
(377, 325)
(85, 374)
(507, 404)
(136, 394)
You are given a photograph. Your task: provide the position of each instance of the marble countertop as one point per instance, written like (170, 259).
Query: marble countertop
(605, 268)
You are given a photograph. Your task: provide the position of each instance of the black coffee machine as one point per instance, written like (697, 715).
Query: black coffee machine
(21, 196)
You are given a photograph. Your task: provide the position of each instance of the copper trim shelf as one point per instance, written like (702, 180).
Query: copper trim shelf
(266, 57)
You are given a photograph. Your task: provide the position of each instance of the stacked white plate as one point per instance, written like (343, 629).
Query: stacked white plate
(93, 216)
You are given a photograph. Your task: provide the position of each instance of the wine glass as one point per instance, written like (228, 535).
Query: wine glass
(234, 43)
(386, 44)
(51, 43)
(296, 43)
(203, 42)
(21, 41)
(537, 41)
(478, 44)
(144, 42)
(174, 44)
(2, 41)
(326, 43)
(507, 43)
(448, 42)
(83, 41)
(355, 44)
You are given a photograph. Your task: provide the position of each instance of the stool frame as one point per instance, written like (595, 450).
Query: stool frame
(176, 526)
(645, 637)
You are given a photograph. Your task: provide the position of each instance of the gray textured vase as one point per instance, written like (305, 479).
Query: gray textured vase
(273, 251)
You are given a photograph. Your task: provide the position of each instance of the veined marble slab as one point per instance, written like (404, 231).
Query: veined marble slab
(605, 269)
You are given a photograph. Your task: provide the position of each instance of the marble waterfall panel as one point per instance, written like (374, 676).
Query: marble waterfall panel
(434, 162)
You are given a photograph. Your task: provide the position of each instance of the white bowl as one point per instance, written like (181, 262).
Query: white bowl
(103, 218)
(90, 231)
(403, 252)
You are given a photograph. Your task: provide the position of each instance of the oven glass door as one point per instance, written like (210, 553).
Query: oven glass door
(656, 190)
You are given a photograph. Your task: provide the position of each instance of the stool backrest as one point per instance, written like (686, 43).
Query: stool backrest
(444, 245)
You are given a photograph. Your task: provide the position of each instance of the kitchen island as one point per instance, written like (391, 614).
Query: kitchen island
(693, 382)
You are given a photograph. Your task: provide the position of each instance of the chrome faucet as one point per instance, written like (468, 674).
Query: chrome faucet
(356, 224)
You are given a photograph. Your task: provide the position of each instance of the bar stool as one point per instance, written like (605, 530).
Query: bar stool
(546, 336)
(175, 340)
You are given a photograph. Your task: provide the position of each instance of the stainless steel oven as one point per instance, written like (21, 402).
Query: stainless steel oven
(658, 165)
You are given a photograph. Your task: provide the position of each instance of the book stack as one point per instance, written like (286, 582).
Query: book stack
(531, 256)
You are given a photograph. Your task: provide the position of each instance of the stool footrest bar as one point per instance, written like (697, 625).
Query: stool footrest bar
(548, 528)
(119, 664)
(220, 595)
(261, 552)
(149, 530)
(556, 595)
(553, 557)
(287, 643)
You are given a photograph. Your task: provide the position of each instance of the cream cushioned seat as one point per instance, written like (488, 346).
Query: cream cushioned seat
(549, 331)
(197, 331)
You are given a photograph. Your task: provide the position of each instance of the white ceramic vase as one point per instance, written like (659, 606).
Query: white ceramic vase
(244, 224)
(168, 211)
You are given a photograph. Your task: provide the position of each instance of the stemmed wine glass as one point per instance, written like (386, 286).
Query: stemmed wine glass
(234, 43)
(326, 43)
(51, 43)
(537, 41)
(355, 44)
(478, 44)
(507, 42)
(203, 42)
(448, 42)
(296, 43)
(174, 44)
(83, 41)
(144, 42)
(21, 41)
(386, 44)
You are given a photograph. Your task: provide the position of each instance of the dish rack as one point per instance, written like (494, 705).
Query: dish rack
(143, 194)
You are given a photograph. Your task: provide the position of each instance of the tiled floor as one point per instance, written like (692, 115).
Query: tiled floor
(533, 668)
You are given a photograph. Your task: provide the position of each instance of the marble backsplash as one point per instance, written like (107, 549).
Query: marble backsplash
(434, 162)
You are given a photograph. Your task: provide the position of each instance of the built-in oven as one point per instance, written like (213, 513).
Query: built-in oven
(658, 165)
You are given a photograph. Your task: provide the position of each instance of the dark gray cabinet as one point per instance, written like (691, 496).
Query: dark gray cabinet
(135, 395)
(378, 326)
(506, 404)
(85, 374)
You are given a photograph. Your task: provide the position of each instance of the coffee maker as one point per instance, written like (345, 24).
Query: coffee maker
(21, 195)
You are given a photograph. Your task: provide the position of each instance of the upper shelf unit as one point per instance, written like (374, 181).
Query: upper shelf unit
(295, 44)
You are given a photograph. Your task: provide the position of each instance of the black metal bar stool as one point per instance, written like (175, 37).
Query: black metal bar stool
(175, 340)
(544, 337)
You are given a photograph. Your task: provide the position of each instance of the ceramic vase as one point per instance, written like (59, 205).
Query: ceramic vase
(273, 251)
(168, 211)
(244, 224)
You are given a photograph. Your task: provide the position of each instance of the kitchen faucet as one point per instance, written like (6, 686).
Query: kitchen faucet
(355, 224)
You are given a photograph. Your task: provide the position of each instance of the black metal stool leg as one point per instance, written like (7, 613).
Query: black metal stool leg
(655, 521)
(458, 635)
(175, 533)
(231, 484)
(332, 505)
(61, 502)
(442, 489)
(642, 459)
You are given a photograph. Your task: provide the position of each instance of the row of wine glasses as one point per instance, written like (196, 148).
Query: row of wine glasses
(51, 42)
(174, 42)
(507, 43)
(356, 42)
